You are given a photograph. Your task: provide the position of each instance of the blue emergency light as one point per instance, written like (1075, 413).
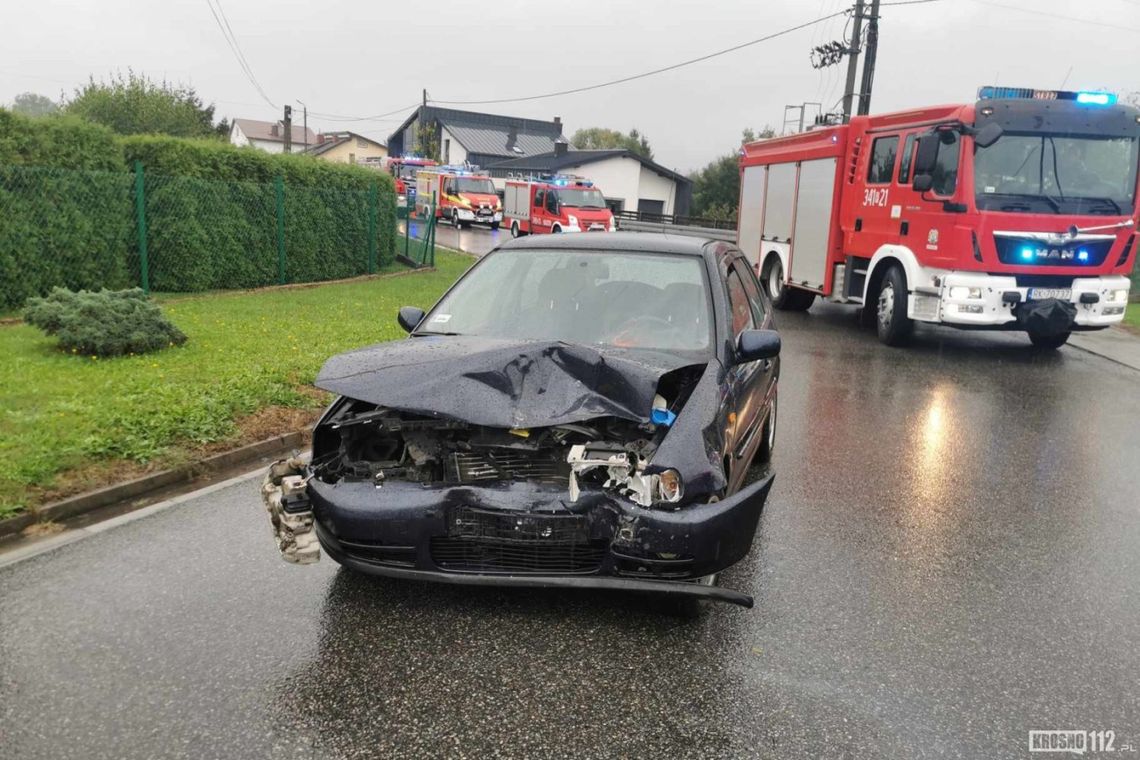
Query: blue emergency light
(1085, 98)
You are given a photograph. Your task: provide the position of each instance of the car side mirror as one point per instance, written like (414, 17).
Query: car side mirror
(410, 317)
(754, 345)
(988, 135)
(922, 182)
(927, 154)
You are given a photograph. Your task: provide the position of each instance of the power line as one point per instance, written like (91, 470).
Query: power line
(1063, 17)
(662, 70)
(240, 52)
(377, 117)
(236, 50)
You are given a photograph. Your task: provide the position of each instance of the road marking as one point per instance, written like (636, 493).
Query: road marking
(51, 543)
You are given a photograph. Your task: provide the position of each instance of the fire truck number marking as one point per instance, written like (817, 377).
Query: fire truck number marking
(874, 196)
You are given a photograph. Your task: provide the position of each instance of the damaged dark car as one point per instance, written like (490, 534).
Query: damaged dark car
(576, 411)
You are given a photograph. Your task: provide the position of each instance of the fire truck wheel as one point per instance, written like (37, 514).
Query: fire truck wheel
(1048, 342)
(783, 297)
(514, 229)
(894, 326)
(556, 229)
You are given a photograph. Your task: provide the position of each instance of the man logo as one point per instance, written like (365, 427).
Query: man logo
(1054, 254)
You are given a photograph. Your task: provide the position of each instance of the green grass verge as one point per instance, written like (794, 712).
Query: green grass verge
(1132, 316)
(246, 351)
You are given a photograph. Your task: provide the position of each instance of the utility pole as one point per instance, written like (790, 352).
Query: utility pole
(853, 60)
(869, 59)
(288, 122)
(305, 111)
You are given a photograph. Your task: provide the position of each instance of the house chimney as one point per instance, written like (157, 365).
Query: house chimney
(561, 146)
(558, 121)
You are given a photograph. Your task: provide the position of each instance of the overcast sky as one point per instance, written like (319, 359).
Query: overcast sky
(360, 58)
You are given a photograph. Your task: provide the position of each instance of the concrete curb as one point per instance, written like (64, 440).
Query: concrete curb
(102, 497)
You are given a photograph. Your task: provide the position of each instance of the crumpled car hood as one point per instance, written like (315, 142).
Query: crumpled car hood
(501, 383)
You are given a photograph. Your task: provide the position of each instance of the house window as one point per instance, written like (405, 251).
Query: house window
(447, 151)
(646, 206)
(361, 142)
(352, 158)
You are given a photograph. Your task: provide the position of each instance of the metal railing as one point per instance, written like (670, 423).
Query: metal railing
(684, 221)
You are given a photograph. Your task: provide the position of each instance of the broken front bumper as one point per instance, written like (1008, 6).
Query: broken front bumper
(528, 534)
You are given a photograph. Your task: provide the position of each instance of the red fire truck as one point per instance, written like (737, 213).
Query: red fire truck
(463, 195)
(1014, 212)
(556, 203)
(404, 170)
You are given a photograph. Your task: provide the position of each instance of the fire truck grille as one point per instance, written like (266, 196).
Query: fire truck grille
(1027, 252)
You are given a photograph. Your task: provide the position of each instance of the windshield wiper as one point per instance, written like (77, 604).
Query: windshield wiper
(1106, 202)
(1029, 196)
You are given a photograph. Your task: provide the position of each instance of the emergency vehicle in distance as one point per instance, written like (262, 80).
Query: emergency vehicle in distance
(462, 195)
(1014, 212)
(404, 170)
(555, 203)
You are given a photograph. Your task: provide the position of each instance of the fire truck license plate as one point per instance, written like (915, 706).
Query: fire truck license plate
(1040, 294)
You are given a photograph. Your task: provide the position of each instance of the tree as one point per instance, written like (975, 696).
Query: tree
(600, 138)
(135, 104)
(716, 187)
(33, 104)
(427, 140)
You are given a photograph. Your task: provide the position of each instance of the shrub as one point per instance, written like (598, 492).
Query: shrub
(104, 323)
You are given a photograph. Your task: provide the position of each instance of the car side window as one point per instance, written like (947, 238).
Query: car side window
(883, 152)
(752, 290)
(904, 165)
(552, 202)
(946, 166)
(539, 198)
(738, 303)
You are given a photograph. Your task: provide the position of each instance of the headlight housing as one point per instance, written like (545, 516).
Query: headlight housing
(1117, 296)
(573, 220)
(670, 487)
(963, 293)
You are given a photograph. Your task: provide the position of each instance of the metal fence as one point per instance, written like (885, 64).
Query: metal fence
(683, 221)
(88, 229)
(416, 244)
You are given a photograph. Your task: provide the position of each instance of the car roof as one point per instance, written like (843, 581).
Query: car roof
(634, 242)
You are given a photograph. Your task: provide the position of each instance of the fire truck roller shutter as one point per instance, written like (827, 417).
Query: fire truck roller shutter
(752, 186)
(813, 222)
(776, 229)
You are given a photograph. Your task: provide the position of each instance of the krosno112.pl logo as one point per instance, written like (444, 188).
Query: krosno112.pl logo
(1075, 742)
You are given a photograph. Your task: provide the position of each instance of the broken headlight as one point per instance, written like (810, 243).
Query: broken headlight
(670, 486)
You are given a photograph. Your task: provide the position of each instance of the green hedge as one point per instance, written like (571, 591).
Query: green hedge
(67, 212)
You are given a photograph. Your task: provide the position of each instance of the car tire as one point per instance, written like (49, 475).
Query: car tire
(893, 325)
(1048, 342)
(783, 297)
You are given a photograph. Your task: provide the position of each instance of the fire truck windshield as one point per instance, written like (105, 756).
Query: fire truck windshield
(474, 185)
(1057, 174)
(573, 197)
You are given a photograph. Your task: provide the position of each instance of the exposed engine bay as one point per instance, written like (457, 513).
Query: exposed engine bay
(364, 442)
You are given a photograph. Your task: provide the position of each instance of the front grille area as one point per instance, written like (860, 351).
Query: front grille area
(379, 553)
(475, 555)
(1027, 252)
(472, 466)
(507, 542)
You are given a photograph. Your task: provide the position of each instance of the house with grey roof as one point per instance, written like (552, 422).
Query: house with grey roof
(476, 138)
(270, 135)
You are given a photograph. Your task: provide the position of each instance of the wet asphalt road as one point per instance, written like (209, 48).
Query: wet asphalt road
(475, 239)
(948, 560)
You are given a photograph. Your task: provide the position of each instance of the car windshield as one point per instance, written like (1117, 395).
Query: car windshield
(578, 198)
(1057, 174)
(619, 299)
(408, 171)
(474, 185)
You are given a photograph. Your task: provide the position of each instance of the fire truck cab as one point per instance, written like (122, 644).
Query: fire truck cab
(1014, 212)
(554, 204)
(404, 171)
(462, 195)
